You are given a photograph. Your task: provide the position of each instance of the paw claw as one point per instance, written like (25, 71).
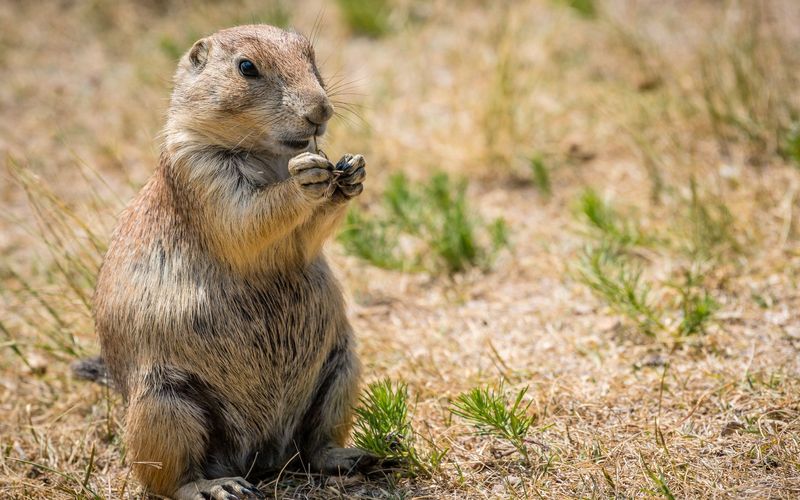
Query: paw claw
(350, 171)
(307, 160)
(313, 180)
(227, 488)
(350, 163)
(356, 177)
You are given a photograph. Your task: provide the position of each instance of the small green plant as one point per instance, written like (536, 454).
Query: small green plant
(488, 410)
(56, 297)
(612, 269)
(12, 344)
(791, 144)
(371, 240)
(602, 218)
(403, 203)
(711, 225)
(434, 217)
(451, 227)
(275, 12)
(383, 428)
(541, 175)
(697, 307)
(749, 83)
(657, 478)
(584, 8)
(500, 118)
(170, 47)
(175, 43)
(498, 232)
(616, 280)
(366, 17)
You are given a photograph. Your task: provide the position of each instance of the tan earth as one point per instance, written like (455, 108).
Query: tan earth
(633, 102)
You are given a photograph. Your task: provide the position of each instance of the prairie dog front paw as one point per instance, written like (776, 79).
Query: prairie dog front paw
(313, 174)
(350, 173)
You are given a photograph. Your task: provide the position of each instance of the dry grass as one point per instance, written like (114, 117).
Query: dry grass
(680, 115)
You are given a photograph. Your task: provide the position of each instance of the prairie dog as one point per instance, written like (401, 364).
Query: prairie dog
(219, 319)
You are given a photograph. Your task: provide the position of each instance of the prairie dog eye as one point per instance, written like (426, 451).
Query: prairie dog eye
(248, 69)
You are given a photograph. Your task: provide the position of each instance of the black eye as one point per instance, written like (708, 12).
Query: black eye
(247, 68)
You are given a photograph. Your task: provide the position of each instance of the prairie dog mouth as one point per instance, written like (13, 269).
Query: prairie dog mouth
(299, 144)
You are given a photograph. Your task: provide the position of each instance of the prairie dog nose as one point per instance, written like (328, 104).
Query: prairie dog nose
(319, 113)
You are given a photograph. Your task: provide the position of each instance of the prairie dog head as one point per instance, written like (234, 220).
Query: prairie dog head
(253, 88)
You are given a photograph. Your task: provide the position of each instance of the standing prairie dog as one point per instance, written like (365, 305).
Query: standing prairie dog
(219, 319)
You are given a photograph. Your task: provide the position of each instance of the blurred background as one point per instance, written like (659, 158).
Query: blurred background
(592, 200)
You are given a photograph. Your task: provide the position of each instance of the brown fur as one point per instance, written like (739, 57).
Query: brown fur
(219, 319)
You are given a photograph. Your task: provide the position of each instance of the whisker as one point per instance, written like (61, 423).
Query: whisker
(336, 94)
(353, 112)
(336, 83)
(343, 84)
(244, 138)
(316, 28)
(350, 119)
(347, 121)
(351, 106)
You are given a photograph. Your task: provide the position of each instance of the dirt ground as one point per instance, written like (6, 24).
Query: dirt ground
(637, 100)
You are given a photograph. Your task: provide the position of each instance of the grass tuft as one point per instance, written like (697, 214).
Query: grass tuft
(618, 282)
(500, 120)
(749, 83)
(435, 218)
(490, 413)
(402, 203)
(170, 47)
(696, 305)
(541, 175)
(383, 428)
(585, 8)
(791, 144)
(611, 267)
(451, 230)
(57, 297)
(711, 226)
(606, 222)
(657, 478)
(366, 17)
(371, 240)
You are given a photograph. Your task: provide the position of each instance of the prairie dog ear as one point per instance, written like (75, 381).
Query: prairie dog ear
(198, 55)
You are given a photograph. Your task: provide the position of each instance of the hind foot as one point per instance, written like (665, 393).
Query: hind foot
(226, 488)
(344, 461)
